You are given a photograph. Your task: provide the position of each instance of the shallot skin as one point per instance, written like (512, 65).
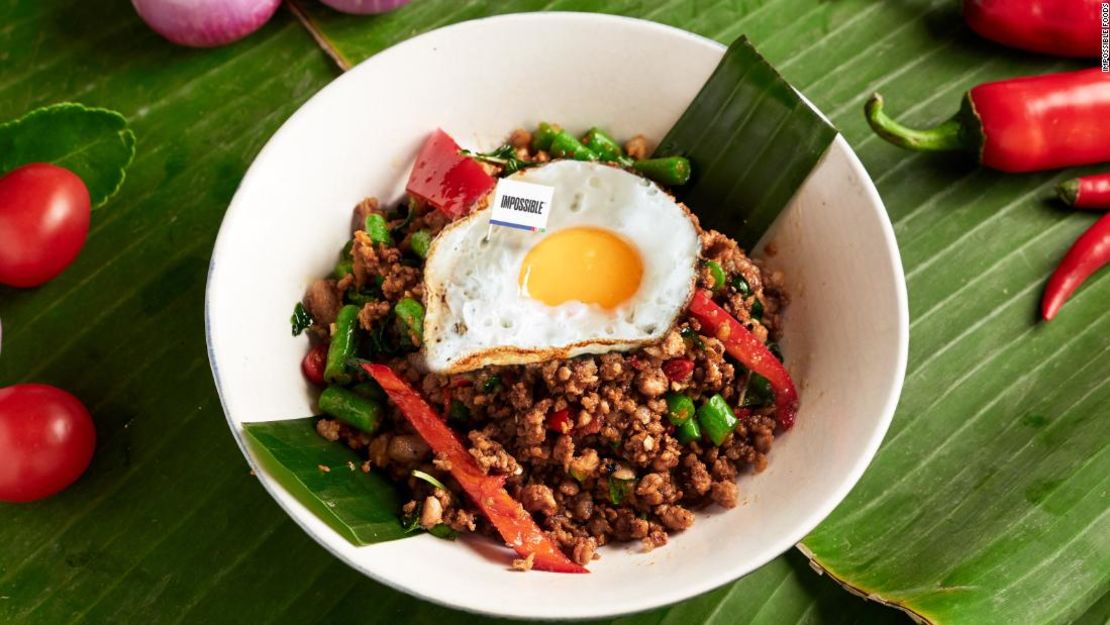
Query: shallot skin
(205, 23)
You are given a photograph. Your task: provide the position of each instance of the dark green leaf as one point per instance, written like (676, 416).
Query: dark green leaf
(362, 507)
(751, 141)
(301, 320)
(503, 156)
(93, 143)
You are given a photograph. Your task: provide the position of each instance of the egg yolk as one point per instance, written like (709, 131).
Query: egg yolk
(589, 265)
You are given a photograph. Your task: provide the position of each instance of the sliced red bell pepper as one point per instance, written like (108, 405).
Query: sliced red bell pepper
(742, 345)
(446, 179)
(515, 525)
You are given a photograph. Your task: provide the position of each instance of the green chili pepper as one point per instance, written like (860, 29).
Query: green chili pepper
(717, 419)
(300, 320)
(354, 410)
(342, 345)
(492, 384)
(757, 310)
(717, 273)
(605, 146)
(411, 314)
(420, 241)
(544, 135)
(741, 285)
(679, 408)
(342, 268)
(458, 411)
(378, 229)
(671, 171)
(689, 432)
(565, 145)
(620, 484)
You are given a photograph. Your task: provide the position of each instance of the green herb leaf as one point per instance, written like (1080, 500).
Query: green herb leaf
(491, 384)
(743, 175)
(505, 156)
(300, 320)
(93, 143)
(361, 507)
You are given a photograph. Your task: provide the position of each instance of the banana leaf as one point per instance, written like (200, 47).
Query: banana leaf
(987, 502)
(992, 476)
(327, 478)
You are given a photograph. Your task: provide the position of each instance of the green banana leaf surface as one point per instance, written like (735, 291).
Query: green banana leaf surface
(986, 504)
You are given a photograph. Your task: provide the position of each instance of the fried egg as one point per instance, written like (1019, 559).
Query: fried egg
(613, 270)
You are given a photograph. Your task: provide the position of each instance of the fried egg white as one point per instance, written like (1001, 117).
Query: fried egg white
(614, 269)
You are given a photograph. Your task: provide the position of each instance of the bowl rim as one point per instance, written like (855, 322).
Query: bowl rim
(693, 587)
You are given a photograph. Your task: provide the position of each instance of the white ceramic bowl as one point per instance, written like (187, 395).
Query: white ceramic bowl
(846, 326)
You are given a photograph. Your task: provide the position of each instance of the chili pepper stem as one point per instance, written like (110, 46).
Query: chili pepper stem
(1068, 191)
(946, 137)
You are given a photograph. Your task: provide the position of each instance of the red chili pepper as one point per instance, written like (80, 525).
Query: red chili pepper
(1062, 27)
(313, 364)
(446, 179)
(1019, 125)
(742, 345)
(1090, 192)
(1088, 254)
(678, 369)
(515, 525)
(560, 421)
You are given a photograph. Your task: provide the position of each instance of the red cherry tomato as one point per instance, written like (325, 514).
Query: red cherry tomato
(46, 441)
(44, 219)
(313, 364)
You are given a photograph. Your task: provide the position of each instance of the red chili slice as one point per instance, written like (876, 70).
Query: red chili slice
(678, 369)
(560, 421)
(515, 525)
(742, 345)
